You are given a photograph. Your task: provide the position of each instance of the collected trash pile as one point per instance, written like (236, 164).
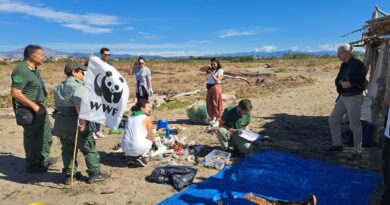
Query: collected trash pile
(177, 156)
(174, 148)
(197, 112)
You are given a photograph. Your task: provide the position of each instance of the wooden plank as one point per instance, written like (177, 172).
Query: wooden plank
(377, 108)
(387, 88)
(380, 11)
(372, 90)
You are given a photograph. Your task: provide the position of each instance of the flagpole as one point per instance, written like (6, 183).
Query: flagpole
(74, 153)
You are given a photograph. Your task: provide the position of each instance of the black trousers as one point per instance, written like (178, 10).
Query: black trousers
(386, 171)
(145, 94)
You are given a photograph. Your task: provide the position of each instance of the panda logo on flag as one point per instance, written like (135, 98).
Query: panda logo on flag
(109, 86)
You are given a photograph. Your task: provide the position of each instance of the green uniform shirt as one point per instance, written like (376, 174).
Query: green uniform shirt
(69, 92)
(23, 78)
(67, 95)
(232, 119)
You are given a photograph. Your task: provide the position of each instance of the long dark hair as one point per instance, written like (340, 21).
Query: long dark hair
(140, 104)
(218, 63)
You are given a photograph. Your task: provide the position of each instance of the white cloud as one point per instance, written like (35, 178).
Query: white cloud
(163, 53)
(92, 21)
(129, 28)
(164, 49)
(231, 33)
(294, 48)
(199, 41)
(245, 31)
(334, 46)
(143, 19)
(266, 48)
(328, 47)
(88, 29)
(6, 22)
(83, 47)
(148, 36)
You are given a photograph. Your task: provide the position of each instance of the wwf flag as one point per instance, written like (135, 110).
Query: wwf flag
(105, 94)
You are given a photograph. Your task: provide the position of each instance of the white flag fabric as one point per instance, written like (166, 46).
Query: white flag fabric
(105, 94)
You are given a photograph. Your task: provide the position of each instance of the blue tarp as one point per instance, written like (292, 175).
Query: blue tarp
(283, 176)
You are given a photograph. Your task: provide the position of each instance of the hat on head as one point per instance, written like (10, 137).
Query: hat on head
(71, 66)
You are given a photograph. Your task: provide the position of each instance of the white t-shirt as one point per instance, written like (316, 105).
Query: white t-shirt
(210, 79)
(387, 128)
(134, 142)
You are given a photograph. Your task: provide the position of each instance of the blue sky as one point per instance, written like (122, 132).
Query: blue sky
(183, 27)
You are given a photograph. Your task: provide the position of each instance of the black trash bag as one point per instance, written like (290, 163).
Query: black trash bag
(178, 176)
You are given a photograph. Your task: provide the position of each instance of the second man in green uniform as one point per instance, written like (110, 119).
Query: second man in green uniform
(67, 101)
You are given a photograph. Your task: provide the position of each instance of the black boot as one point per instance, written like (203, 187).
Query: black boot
(97, 178)
(36, 169)
(78, 176)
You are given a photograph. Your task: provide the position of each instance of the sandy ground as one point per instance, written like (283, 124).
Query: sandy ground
(295, 119)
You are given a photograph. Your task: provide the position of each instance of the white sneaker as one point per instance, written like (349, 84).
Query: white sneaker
(215, 124)
(100, 135)
(120, 150)
(94, 136)
(140, 160)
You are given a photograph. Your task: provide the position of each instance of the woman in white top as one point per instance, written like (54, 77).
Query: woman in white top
(138, 136)
(214, 90)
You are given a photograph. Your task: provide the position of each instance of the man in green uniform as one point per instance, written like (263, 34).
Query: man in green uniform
(234, 119)
(67, 101)
(29, 90)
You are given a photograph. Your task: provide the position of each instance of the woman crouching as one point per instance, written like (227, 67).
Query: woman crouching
(138, 136)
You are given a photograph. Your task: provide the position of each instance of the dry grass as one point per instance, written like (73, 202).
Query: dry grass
(183, 76)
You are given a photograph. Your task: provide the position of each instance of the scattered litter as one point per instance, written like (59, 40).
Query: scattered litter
(217, 159)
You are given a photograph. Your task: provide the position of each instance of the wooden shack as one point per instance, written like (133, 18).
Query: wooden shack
(376, 41)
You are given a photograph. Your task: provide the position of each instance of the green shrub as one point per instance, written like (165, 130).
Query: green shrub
(281, 70)
(174, 105)
(244, 95)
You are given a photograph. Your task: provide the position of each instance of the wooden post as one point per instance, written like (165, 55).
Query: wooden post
(373, 87)
(382, 83)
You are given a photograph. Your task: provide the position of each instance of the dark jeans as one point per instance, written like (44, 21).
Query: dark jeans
(97, 127)
(386, 171)
(145, 94)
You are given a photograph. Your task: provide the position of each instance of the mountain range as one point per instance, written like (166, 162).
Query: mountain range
(50, 53)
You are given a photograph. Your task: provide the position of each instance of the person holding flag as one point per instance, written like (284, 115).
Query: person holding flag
(106, 94)
(68, 97)
(105, 56)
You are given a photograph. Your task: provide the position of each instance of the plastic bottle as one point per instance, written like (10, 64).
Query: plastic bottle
(167, 133)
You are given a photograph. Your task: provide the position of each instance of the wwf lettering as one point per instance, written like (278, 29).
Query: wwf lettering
(105, 108)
